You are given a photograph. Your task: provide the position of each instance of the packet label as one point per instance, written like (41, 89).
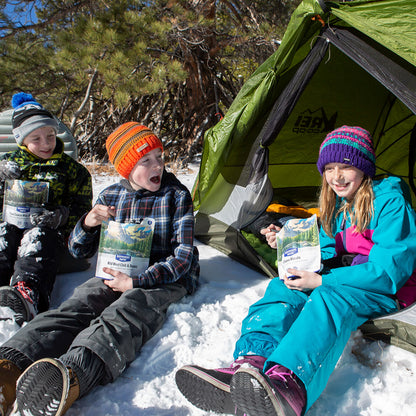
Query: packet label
(23, 198)
(298, 246)
(125, 247)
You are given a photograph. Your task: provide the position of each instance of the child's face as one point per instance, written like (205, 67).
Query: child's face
(343, 179)
(41, 142)
(147, 173)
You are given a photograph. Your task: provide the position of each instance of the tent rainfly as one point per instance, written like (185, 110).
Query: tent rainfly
(339, 63)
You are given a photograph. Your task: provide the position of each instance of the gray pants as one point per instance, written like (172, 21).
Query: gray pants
(111, 325)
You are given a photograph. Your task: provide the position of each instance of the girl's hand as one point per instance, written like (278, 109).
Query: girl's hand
(304, 281)
(97, 215)
(120, 282)
(270, 233)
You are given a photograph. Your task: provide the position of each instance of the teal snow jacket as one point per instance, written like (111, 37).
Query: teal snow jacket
(385, 252)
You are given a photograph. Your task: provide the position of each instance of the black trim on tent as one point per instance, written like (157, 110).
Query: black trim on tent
(290, 95)
(285, 104)
(412, 159)
(395, 77)
(324, 7)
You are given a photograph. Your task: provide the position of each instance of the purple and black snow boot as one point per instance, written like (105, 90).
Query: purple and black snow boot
(210, 389)
(278, 392)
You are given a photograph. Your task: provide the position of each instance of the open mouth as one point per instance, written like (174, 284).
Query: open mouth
(155, 179)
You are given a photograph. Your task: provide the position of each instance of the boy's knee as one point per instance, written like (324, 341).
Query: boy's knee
(39, 241)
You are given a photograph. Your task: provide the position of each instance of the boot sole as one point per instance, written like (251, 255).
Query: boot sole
(11, 298)
(204, 391)
(253, 395)
(42, 389)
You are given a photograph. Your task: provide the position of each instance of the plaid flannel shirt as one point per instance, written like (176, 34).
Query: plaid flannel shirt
(173, 257)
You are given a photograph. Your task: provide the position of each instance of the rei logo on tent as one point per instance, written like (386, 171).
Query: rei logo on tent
(314, 122)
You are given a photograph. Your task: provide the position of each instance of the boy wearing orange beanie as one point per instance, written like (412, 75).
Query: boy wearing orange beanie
(99, 330)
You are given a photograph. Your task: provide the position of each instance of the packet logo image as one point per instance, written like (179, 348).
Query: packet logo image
(123, 258)
(298, 246)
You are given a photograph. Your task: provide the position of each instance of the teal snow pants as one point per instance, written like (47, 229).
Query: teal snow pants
(307, 332)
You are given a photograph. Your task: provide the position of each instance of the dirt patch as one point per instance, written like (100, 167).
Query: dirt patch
(100, 168)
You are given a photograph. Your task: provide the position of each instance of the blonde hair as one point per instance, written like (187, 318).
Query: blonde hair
(361, 208)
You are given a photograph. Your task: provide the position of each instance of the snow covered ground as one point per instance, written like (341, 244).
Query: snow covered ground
(371, 379)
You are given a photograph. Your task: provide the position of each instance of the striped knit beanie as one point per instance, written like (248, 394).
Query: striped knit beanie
(29, 115)
(351, 146)
(128, 144)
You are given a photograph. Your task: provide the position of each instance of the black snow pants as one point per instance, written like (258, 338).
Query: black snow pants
(106, 325)
(30, 256)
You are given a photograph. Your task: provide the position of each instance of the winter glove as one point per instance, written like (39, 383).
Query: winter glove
(9, 170)
(50, 218)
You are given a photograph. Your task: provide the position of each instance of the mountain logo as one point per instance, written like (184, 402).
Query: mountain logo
(314, 121)
(123, 258)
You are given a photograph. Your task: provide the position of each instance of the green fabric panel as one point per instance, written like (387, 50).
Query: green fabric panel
(217, 195)
(340, 89)
(364, 102)
(392, 332)
(392, 23)
(265, 251)
(231, 242)
(241, 125)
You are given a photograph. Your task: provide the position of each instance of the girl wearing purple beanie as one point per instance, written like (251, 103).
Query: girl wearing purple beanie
(293, 337)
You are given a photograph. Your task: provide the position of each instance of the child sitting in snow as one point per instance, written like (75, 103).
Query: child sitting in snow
(29, 256)
(293, 337)
(99, 330)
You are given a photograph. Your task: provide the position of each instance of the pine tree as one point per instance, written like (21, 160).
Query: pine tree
(175, 66)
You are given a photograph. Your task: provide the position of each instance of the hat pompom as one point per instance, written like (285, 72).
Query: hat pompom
(29, 115)
(21, 98)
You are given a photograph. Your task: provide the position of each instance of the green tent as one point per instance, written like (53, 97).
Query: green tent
(339, 63)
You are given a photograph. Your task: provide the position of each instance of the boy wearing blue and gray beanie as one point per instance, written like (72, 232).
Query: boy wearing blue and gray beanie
(32, 250)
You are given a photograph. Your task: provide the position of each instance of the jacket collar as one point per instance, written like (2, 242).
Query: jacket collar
(57, 153)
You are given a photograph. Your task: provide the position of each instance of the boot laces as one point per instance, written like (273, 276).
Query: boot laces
(282, 373)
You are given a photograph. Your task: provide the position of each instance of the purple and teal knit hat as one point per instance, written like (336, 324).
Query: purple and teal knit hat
(350, 145)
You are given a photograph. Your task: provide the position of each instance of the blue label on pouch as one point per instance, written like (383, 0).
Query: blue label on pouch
(123, 258)
(290, 252)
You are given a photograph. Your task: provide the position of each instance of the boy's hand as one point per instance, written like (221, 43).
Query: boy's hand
(304, 280)
(270, 233)
(98, 214)
(120, 282)
(9, 170)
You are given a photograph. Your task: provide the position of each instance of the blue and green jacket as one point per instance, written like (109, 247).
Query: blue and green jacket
(70, 182)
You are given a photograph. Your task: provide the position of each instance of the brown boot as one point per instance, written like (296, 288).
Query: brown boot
(57, 388)
(9, 373)
(73, 392)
